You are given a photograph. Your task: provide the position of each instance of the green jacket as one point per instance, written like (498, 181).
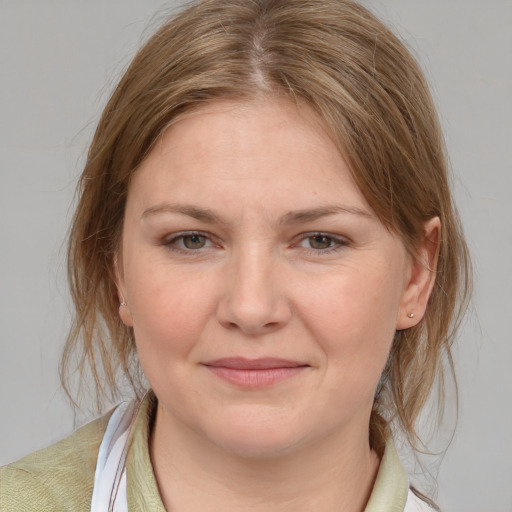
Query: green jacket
(60, 478)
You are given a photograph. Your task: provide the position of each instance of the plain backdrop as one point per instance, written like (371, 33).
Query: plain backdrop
(58, 61)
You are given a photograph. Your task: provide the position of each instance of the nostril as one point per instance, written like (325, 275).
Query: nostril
(251, 324)
(253, 303)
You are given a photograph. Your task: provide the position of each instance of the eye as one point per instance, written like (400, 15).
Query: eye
(194, 241)
(322, 242)
(188, 242)
(319, 241)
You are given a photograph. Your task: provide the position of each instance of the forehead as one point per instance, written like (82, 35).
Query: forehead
(255, 127)
(239, 149)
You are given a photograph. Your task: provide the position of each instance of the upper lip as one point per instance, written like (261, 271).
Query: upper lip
(263, 363)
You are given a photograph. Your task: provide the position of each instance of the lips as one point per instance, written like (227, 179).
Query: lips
(255, 373)
(241, 363)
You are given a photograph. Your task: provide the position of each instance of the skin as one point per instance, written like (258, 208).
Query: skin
(327, 289)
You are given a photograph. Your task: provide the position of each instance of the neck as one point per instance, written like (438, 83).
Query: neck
(335, 473)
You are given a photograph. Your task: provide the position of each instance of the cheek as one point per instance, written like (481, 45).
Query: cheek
(169, 309)
(353, 306)
(353, 321)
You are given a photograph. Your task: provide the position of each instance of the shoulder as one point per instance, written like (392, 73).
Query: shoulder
(57, 478)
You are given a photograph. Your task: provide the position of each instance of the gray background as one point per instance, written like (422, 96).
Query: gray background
(58, 61)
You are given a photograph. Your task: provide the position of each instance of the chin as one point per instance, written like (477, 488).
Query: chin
(257, 445)
(256, 439)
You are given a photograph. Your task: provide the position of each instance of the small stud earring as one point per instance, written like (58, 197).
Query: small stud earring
(122, 304)
(410, 315)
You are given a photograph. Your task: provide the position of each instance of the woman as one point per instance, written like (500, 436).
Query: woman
(265, 229)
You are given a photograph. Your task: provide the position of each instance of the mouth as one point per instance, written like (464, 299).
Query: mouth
(255, 373)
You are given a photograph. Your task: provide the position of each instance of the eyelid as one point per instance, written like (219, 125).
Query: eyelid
(170, 240)
(340, 242)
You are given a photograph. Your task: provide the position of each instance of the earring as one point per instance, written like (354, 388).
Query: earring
(410, 315)
(122, 304)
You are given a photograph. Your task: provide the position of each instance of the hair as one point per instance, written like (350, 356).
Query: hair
(336, 57)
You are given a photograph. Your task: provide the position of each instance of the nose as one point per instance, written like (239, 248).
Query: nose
(254, 300)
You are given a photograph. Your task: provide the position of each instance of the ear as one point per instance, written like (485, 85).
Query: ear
(124, 309)
(421, 277)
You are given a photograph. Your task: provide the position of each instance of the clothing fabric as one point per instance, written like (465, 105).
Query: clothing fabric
(109, 492)
(79, 473)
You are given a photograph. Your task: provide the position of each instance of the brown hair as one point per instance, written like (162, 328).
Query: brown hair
(333, 55)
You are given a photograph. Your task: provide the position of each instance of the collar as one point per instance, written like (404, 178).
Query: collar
(391, 485)
(389, 492)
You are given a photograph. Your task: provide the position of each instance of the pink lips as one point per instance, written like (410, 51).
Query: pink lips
(254, 373)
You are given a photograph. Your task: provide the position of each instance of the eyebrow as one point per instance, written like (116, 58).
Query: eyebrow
(312, 214)
(202, 214)
(294, 217)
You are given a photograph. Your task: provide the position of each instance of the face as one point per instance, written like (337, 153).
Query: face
(263, 292)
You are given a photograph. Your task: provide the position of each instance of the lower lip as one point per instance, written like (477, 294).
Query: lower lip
(255, 378)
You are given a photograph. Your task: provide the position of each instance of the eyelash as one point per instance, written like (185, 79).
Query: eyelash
(171, 243)
(338, 243)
